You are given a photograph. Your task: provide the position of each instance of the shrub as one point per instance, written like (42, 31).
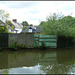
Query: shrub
(36, 44)
(1, 49)
(60, 26)
(43, 46)
(15, 45)
(64, 42)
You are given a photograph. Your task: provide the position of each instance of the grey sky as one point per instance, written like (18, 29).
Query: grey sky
(36, 11)
(19, 4)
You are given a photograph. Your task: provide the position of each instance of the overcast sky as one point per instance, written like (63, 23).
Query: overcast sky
(36, 11)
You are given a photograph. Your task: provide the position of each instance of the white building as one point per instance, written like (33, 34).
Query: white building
(18, 26)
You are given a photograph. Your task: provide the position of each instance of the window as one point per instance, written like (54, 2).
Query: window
(30, 30)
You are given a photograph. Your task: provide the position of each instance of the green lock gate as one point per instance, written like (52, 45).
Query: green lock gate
(49, 40)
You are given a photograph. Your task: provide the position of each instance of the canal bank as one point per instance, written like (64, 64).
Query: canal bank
(34, 41)
(28, 40)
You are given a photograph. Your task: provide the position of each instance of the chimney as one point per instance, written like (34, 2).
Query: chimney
(15, 20)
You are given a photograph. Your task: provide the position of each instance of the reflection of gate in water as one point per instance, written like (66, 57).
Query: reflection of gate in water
(48, 58)
(49, 40)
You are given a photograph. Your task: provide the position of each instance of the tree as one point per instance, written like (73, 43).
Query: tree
(24, 27)
(60, 26)
(68, 24)
(3, 15)
(3, 29)
(50, 26)
(10, 24)
(41, 23)
(25, 23)
(68, 20)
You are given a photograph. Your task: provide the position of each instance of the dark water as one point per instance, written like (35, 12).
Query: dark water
(38, 62)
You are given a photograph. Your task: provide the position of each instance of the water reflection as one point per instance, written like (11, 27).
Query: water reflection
(38, 62)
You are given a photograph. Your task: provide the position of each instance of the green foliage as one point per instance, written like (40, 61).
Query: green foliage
(43, 46)
(25, 23)
(12, 27)
(24, 27)
(63, 26)
(68, 26)
(15, 45)
(10, 24)
(4, 15)
(60, 26)
(36, 44)
(65, 42)
(3, 29)
(1, 49)
(41, 23)
(22, 46)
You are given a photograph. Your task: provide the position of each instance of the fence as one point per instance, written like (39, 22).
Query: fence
(7, 39)
(30, 40)
(49, 40)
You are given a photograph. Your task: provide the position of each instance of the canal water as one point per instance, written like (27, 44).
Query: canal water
(60, 61)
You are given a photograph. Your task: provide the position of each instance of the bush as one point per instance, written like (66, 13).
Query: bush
(1, 49)
(65, 42)
(15, 45)
(62, 27)
(43, 46)
(36, 44)
(24, 27)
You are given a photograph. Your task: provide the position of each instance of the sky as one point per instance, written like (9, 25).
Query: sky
(36, 11)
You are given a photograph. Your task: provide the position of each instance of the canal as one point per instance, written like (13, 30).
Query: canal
(60, 61)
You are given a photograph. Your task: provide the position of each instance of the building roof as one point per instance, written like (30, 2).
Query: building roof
(8, 26)
(36, 29)
(17, 25)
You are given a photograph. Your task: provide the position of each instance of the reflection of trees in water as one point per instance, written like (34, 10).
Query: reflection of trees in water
(64, 63)
(51, 62)
(5, 71)
(56, 69)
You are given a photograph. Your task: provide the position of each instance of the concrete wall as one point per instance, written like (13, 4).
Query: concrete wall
(27, 39)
